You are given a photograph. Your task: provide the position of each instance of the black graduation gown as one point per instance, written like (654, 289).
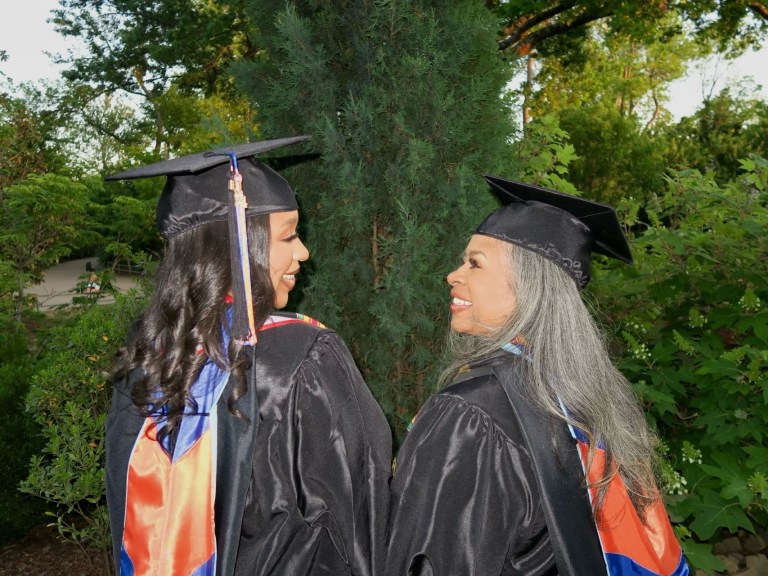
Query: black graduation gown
(487, 485)
(302, 477)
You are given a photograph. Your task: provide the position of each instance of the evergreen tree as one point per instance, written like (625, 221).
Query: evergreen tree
(404, 102)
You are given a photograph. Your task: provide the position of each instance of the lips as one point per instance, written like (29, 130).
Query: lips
(459, 304)
(289, 279)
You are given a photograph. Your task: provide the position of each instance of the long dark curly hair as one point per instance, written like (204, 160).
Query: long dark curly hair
(184, 323)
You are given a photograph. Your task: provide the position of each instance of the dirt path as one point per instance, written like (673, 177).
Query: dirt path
(42, 553)
(60, 282)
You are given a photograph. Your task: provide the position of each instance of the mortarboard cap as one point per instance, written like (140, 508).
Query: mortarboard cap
(565, 229)
(223, 184)
(196, 188)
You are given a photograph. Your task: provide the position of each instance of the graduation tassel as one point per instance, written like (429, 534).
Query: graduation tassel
(243, 324)
(194, 194)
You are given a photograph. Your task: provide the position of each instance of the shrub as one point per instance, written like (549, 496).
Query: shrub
(19, 436)
(69, 399)
(695, 330)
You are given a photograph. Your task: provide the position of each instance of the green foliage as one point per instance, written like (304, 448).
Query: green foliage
(537, 24)
(68, 400)
(546, 154)
(627, 73)
(40, 221)
(170, 56)
(695, 331)
(730, 24)
(609, 97)
(8, 286)
(18, 435)
(403, 100)
(21, 140)
(125, 222)
(616, 158)
(140, 47)
(720, 134)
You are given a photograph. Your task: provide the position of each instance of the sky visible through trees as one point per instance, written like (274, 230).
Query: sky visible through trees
(26, 36)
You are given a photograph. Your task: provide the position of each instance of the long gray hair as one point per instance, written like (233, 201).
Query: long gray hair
(569, 361)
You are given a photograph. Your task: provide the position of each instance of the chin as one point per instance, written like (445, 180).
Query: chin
(281, 300)
(471, 330)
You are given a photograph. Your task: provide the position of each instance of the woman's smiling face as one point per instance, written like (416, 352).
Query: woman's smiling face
(286, 252)
(482, 298)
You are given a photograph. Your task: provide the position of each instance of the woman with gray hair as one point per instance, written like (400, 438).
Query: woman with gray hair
(535, 458)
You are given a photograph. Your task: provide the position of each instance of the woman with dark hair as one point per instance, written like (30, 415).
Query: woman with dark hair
(535, 457)
(239, 440)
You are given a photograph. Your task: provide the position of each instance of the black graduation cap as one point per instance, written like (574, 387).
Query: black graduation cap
(223, 184)
(563, 228)
(196, 189)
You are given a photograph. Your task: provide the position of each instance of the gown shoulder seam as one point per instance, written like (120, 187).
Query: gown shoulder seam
(488, 420)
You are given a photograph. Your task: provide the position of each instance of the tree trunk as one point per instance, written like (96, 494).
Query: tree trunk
(528, 90)
(160, 144)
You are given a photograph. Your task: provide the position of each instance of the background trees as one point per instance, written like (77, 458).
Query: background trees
(40, 221)
(22, 139)
(695, 332)
(719, 135)
(169, 56)
(409, 103)
(405, 123)
(530, 25)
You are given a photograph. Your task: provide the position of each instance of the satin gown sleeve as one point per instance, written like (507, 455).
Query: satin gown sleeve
(319, 496)
(464, 499)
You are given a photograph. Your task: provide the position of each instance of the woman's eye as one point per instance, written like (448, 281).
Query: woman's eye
(292, 237)
(473, 263)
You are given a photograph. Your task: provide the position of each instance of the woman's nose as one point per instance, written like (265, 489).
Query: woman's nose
(301, 254)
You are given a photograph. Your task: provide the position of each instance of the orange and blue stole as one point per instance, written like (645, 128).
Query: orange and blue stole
(630, 546)
(169, 525)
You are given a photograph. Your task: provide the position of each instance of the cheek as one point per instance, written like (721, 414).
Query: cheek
(279, 260)
(506, 307)
(500, 304)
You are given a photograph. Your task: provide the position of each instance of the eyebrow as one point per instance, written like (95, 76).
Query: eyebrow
(475, 253)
